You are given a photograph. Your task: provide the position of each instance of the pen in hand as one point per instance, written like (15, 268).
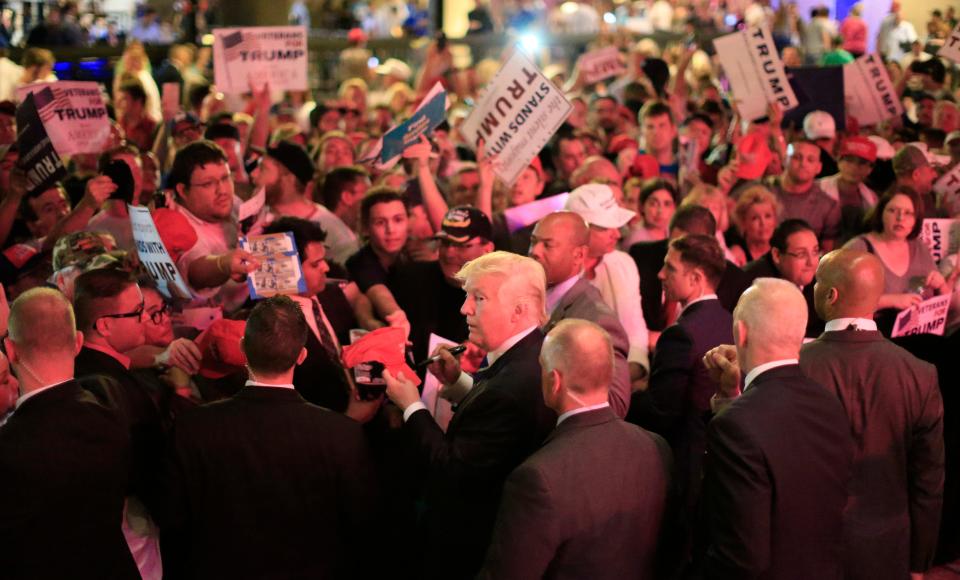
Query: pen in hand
(459, 349)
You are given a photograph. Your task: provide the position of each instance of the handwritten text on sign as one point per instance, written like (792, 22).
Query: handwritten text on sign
(73, 114)
(601, 64)
(245, 57)
(755, 71)
(951, 47)
(518, 113)
(870, 96)
(928, 317)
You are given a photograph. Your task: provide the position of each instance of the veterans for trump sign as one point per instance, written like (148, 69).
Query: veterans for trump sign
(755, 72)
(519, 111)
(869, 95)
(601, 64)
(248, 57)
(927, 317)
(73, 114)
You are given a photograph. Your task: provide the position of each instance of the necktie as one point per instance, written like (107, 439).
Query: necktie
(326, 339)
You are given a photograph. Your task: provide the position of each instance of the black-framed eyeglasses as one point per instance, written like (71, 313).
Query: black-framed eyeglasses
(157, 316)
(138, 313)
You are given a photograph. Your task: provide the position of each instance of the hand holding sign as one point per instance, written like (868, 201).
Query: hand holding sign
(98, 190)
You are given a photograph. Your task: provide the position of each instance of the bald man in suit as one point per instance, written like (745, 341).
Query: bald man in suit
(895, 409)
(575, 508)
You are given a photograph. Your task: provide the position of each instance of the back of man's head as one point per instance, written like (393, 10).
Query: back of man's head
(523, 281)
(337, 181)
(849, 285)
(274, 337)
(692, 219)
(774, 313)
(703, 252)
(95, 293)
(42, 325)
(582, 353)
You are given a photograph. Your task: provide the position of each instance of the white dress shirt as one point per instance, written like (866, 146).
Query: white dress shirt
(573, 412)
(700, 299)
(757, 370)
(618, 280)
(251, 383)
(845, 323)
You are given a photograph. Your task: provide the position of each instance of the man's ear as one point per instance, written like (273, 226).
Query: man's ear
(775, 255)
(79, 343)
(740, 336)
(180, 189)
(102, 326)
(11, 349)
(302, 356)
(833, 296)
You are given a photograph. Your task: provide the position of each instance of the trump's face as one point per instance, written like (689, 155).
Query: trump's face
(489, 319)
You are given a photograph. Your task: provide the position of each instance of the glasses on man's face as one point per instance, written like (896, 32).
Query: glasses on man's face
(805, 255)
(211, 183)
(138, 313)
(157, 316)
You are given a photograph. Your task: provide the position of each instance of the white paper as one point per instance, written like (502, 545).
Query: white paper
(518, 113)
(755, 71)
(439, 407)
(252, 206)
(869, 95)
(522, 216)
(73, 114)
(601, 64)
(153, 254)
(951, 47)
(251, 56)
(928, 317)
(942, 236)
(948, 191)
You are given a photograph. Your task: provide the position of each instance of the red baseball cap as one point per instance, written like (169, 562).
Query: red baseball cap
(754, 155)
(861, 147)
(176, 233)
(386, 346)
(220, 346)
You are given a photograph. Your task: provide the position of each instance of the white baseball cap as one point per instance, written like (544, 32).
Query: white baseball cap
(819, 125)
(885, 150)
(395, 67)
(596, 204)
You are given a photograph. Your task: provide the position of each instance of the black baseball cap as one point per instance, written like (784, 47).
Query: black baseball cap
(464, 222)
(295, 158)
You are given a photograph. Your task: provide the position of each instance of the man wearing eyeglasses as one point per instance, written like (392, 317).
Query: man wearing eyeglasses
(110, 313)
(214, 267)
(857, 157)
(793, 256)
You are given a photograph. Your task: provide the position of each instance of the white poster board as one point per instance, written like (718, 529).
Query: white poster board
(153, 254)
(928, 317)
(439, 407)
(869, 95)
(755, 71)
(519, 111)
(951, 46)
(245, 58)
(73, 113)
(948, 191)
(601, 64)
(942, 236)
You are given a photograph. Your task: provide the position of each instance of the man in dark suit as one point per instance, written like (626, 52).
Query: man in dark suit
(64, 459)
(778, 456)
(691, 219)
(560, 243)
(893, 402)
(498, 422)
(265, 483)
(575, 508)
(794, 252)
(678, 396)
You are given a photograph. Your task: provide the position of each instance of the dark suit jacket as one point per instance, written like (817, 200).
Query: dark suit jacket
(577, 509)
(763, 267)
(583, 301)
(64, 464)
(678, 394)
(265, 484)
(649, 258)
(320, 379)
(775, 481)
(136, 406)
(498, 424)
(893, 403)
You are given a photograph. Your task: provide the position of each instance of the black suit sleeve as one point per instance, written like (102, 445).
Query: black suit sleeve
(925, 471)
(737, 496)
(514, 551)
(660, 407)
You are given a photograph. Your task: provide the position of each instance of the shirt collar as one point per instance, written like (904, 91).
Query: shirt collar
(758, 370)
(250, 383)
(846, 323)
(107, 350)
(506, 345)
(556, 292)
(700, 299)
(26, 396)
(573, 412)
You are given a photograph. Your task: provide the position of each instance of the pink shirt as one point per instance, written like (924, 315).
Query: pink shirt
(854, 33)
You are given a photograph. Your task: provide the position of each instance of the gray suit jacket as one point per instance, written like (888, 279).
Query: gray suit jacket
(583, 301)
(588, 504)
(896, 414)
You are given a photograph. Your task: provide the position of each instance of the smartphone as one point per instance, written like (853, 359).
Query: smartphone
(119, 173)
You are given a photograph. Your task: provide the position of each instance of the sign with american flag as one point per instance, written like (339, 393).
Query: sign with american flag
(246, 58)
(73, 114)
(38, 157)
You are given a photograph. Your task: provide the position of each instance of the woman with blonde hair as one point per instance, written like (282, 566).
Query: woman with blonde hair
(134, 64)
(714, 199)
(755, 215)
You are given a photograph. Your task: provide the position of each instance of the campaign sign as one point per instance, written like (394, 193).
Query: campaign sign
(519, 111)
(755, 72)
(73, 114)
(928, 317)
(948, 190)
(424, 120)
(942, 236)
(951, 46)
(154, 256)
(869, 95)
(245, 58)
(601, 64)
(279, 271)
(38, 157)
(521, 216)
